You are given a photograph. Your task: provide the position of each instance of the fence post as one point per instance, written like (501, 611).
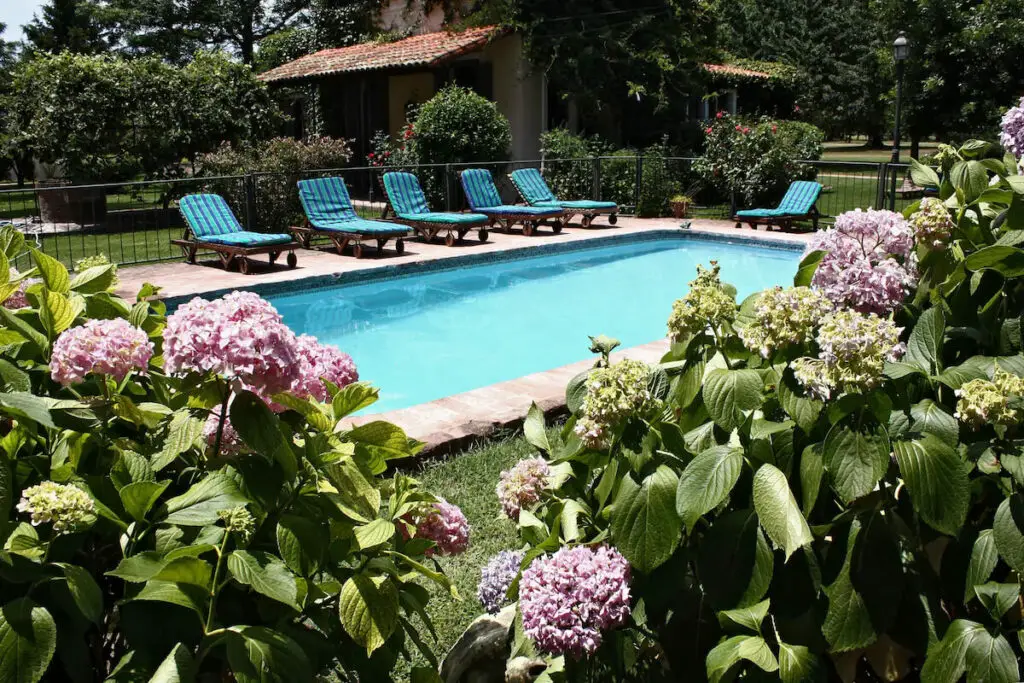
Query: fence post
(249, 185)
(449, 205)
(892, 195)
(883, 179)
(639, 184)
(732, 202)
(595, 186)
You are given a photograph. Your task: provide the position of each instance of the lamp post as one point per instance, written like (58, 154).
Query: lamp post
(900, 52)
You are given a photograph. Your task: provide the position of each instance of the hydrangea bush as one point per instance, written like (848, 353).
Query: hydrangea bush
(183, 499)
(820, 482)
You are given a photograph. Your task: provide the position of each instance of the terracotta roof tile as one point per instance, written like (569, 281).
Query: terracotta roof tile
(425, 50)
(729, 70)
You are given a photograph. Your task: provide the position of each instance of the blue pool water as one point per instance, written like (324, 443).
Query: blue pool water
(426, 336)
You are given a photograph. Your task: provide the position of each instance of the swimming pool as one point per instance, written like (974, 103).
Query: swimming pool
(429, 335)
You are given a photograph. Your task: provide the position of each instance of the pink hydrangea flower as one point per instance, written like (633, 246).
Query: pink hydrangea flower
(1011, 135)
(570, 598)
(230, 442)
(102, 347)
(319, 361)
(521, 486)
(869, 264)
(442, 523)
(18, 299)
(240, 335)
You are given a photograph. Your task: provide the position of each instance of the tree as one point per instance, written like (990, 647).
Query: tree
(101, 118)
(835, 44)
(67, 25)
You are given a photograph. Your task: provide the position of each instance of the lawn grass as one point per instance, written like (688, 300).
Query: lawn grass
(859, 151)
(468, 480)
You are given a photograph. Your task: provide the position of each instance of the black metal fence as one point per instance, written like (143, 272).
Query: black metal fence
(134, 222)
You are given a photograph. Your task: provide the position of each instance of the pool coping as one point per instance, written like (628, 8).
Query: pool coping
(376, 273)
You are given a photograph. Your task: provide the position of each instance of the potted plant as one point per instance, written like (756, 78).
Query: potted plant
(680, 203)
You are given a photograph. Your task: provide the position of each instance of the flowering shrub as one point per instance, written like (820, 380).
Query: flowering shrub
(868, 260)
(613, 395)
(831, 485)
(440, 522)
(757, 159)
(161, 522)
(496, 577)
(1011, 135)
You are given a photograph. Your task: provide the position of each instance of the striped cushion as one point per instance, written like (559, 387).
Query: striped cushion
(208, 215)
(248, 239)
(758, 213)
(405, 194)
(363, 227)
(480, 190)
(800, 198)
(531, 185)
(512, 209)
(441, 217)
(326, 200)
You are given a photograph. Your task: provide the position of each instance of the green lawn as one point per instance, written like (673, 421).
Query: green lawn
(468, 480)
(859, 151)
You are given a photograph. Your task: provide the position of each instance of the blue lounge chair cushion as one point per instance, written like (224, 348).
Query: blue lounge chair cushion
(513, 209)
(531, 185)
(480, 190)
(798, 201)
(208, 215)
(405, 194)
(362, 226)
(442, 217)
(326, 200)
(245, 238)
(581, 204)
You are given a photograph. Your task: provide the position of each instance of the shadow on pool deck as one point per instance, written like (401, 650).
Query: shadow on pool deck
(450, 423)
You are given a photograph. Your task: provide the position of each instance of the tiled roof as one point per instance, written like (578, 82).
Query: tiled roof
(425, 50)
(729, 70)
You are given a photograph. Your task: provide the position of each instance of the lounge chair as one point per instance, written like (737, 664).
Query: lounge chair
(409, 206)
(329, 213)
(484, 198)
(535, 191)
(798, 204)
(210, 224)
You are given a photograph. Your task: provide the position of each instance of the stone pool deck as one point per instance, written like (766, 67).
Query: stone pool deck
(453, 422)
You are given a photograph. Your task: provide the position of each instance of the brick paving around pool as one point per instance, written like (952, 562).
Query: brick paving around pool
(453, 422)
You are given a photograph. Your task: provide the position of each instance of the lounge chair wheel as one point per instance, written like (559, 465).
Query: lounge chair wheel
(482, 235)
(449, 240)
(243, 265)
(357, 250)
(293, 260)
(528, 228)
(400, 246)
(586, 221)
(557, 227)
(613, 219)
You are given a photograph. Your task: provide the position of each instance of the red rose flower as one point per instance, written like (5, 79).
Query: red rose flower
(720, 114)
(708, 130)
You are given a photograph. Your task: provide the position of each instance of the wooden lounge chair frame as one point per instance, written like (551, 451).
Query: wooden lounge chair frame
(530, 220)
(428, 230)
(229, 254)
(587, 216)
(341, 239)
(784, 223)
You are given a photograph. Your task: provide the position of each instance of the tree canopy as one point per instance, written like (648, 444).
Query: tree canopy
(72, 25)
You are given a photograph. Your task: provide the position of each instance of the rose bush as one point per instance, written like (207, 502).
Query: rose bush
(182, 499)
(806, 487)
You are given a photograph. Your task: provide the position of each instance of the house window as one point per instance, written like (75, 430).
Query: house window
(473, 74)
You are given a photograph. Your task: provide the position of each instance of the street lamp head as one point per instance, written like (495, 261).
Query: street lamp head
(901, 47)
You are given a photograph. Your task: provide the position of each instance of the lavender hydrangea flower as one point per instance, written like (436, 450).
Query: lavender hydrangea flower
(495, 578)
(1012, 130)
(521, 486)
(240, 335)
(869, 262)
(230, 442)
(569, 599)
(318, 362)
(102, 347)
(442, 523)
(18, 299)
